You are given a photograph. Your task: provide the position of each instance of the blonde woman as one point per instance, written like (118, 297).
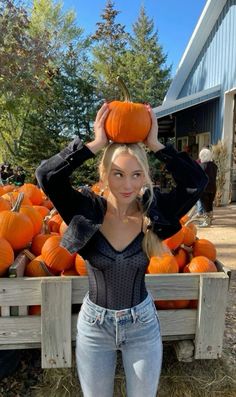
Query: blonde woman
(117, 235)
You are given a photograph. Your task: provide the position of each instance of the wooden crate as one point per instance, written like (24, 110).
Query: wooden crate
(54, 331)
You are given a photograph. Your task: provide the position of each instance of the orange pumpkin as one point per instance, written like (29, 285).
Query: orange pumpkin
(63, 227)
(37, 268)
(200, 264)
(44, 211)
(33, 192)
(127, 122)
(34, 310)
(16, 227)
(4, 204)
(56, 257)
(174, 241)
(69, 272)
(47, 203)
(204, 247)
(39, 239)
(35, 217)
(80, 265)
(54, 223)
(166, 263)
(6, 255)
(184, 219)
(172, 304)
(12, 197)
(189, 236)
(8, 188)
(182, 257)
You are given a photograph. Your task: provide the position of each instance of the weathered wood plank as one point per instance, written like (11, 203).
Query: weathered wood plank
(5, 311)
(56, 323)
(14, 330)
(210, 319)
(17, 269)
(20, 291)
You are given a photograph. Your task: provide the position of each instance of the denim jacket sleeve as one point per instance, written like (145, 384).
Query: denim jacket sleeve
(167, 208)
(53, 176)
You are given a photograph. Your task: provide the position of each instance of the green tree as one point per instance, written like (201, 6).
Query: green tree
(23, 61)
(143, 65)
(110, 39)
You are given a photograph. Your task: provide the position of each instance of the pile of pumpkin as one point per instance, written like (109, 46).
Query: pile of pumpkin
(28, 222)
(186, 254)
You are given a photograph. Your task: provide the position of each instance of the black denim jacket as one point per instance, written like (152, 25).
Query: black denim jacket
(83, 211)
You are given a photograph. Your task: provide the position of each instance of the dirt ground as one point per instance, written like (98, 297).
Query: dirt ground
(223, 234)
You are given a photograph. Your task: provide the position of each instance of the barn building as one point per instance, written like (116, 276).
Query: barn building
(200, 106)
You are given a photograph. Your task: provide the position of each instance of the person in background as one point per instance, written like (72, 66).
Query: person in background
(19, 176)
(117, 235)
(208, 195)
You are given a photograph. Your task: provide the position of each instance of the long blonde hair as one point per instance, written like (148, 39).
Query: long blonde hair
(152, 245)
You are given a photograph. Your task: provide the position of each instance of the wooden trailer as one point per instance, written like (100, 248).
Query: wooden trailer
(198, 333)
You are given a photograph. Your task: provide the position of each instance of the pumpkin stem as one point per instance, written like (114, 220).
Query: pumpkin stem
(17, 205)
(123, 89)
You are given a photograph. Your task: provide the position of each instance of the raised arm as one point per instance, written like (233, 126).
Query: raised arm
(53, 175)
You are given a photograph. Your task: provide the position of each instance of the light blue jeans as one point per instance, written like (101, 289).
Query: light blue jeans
(135, 332)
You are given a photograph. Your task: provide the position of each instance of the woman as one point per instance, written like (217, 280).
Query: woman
(117, 235)
(208, 195)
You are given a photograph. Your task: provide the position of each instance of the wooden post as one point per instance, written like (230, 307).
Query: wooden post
(211, 316)
(56, 323)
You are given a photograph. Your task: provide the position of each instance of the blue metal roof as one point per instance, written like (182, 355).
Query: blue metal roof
(188, 101)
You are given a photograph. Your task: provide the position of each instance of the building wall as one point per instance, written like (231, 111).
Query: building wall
(216, 63)
(202, 118)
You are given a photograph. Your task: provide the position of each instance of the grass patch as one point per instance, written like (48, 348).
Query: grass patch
(200, 378)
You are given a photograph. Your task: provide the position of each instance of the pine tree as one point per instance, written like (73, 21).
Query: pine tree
(111, 40)
(143, 66)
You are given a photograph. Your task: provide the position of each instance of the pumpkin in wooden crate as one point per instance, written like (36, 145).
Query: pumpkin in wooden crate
(16, 227)
(182, 257)
(200, 264)
(4, 204)
(36, 267)
(35, 217)
(174, 241)
(13, 196)
(127, 122)
(32, 192)
(44, 211)
(40, 238)
(204, 247)
(56, 257)
(6, 256)
(189, 236)
(172, 304)
(165, 263)
(69, 272)
(80, 265)
(54, 223)
(34, 310)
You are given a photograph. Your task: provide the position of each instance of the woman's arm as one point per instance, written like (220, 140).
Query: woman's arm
(53, 175)
(167, 208)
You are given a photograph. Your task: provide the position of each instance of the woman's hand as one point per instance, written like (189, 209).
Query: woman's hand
(152, 141)
(100, 140)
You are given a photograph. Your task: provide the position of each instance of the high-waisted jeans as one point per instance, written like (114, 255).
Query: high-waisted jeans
(135, 332)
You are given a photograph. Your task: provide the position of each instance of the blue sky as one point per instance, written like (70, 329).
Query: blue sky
(175, 20)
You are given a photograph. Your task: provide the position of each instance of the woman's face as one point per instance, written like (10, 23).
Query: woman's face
(126, 178)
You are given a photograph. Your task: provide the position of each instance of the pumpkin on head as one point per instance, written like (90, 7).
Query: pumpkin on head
(127, 122)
